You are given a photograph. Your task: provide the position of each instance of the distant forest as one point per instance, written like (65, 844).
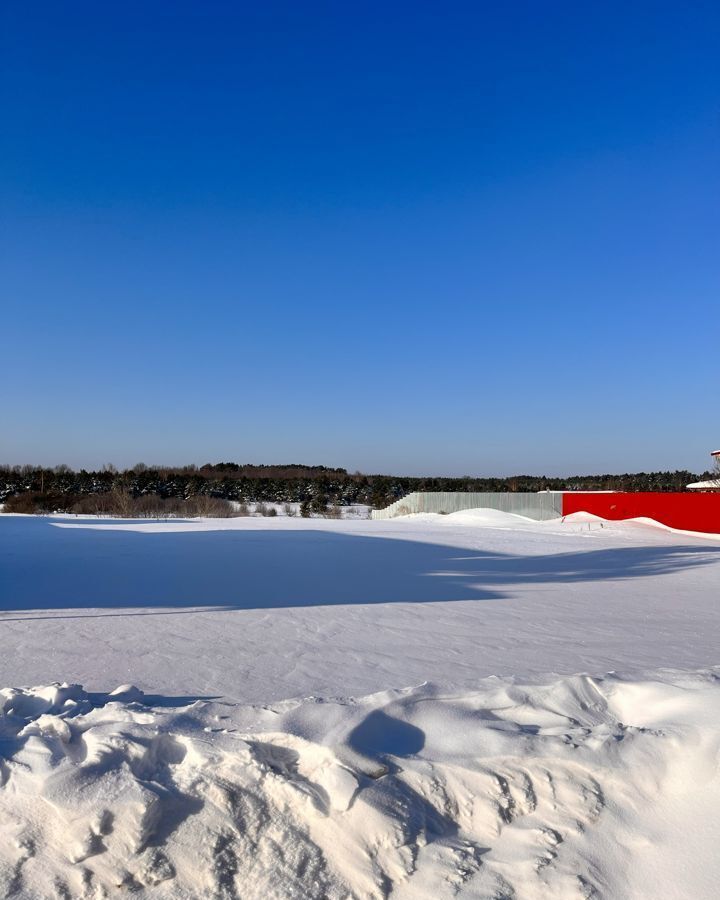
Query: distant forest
(316, 488)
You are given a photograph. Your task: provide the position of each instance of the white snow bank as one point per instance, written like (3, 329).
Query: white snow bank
(492, 517)
(484, 517)
(578, 788)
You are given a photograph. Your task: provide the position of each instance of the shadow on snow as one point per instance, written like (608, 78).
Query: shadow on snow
(43, 567)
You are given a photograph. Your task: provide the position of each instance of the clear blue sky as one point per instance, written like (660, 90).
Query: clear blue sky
(407, 237)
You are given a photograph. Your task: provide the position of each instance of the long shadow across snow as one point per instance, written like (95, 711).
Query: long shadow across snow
(44, 567)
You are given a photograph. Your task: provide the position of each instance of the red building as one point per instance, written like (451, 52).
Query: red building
(698, 510)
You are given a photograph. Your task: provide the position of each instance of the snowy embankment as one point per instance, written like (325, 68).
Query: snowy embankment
(577, 788)
(214, 785)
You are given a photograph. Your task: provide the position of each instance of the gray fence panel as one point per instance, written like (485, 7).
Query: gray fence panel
(541, 506)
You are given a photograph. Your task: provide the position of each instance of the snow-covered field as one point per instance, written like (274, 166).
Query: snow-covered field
(350, 708)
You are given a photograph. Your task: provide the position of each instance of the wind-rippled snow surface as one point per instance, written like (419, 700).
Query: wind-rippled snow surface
(577, 788)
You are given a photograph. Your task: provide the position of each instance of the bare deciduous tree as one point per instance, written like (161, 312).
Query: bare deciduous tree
(121, 501)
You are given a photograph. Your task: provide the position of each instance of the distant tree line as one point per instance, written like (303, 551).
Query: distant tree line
(180, 490)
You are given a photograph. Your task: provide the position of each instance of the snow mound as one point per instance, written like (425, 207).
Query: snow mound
(578, 788)
(485, 516)
(589, 517)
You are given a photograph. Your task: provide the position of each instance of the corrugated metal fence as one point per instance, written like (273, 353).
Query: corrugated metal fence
(540, 506)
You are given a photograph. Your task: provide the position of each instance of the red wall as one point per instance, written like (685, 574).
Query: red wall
(690, 512)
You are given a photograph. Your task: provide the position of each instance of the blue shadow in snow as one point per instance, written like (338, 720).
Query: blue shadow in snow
(380, 734)
(46, 567)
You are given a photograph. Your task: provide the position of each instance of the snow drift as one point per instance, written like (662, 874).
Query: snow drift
(577, 788)
(526, 787)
